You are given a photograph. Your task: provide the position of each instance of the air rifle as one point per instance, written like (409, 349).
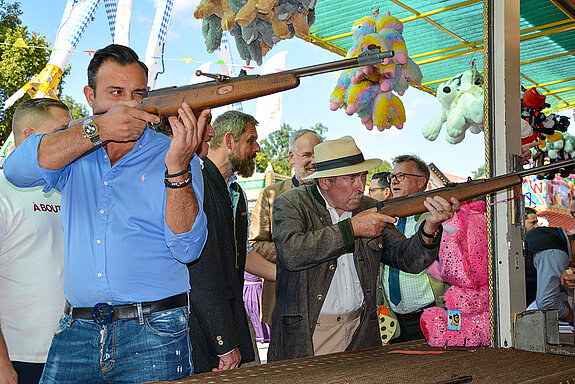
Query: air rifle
(405, 206)
(224, 90)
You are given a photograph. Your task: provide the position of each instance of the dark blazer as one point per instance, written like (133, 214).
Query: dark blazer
(218, 321)
(307, 248)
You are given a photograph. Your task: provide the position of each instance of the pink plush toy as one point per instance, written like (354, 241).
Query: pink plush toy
(463, 264)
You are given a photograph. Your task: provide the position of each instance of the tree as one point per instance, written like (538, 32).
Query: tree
(481, 171)
(77, 110)
(384, 167)
(17, 65)
(275, 147)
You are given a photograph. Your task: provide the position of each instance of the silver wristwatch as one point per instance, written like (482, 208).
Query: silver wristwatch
(90, 131)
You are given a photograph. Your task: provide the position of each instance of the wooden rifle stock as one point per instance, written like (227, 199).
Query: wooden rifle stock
(405, 206)
(226, 90)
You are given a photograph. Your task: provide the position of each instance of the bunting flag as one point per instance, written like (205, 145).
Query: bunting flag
(20, 43)
(71, 30)
(154, 51)
(90, 52)
(67, 10)
(269, 108)
(226, 65)
(123, 17)
(111, 9)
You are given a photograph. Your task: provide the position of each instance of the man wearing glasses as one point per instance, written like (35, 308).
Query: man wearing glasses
(408, 294)
(329, 243)
(379, 188)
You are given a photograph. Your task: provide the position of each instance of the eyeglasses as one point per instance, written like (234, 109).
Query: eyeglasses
(399, 177)
(572, 213)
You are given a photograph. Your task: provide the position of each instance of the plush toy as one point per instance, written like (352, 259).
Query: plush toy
(461, 99)
(463, 263)
(556, 150)
(257, 25)
(368, 91)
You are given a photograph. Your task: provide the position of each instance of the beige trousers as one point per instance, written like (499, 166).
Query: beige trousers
(333, 332)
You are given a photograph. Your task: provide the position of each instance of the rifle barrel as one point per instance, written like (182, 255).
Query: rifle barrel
(409, 205)
(371, 57)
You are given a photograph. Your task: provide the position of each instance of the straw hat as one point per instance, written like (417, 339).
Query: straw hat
(340, 157)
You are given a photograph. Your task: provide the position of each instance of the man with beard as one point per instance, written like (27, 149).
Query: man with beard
(302, 160)
(329, 243)
(219, 328)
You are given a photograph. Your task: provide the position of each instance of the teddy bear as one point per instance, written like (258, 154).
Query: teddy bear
(368, 91)
(463, 263)
(461, 99)
(256, 25)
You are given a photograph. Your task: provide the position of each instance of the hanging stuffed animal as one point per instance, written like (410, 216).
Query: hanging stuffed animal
(368, 91)
(461, 99)
(257, 25)
(555, 150)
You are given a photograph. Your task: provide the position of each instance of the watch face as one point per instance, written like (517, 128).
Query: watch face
(90, 129)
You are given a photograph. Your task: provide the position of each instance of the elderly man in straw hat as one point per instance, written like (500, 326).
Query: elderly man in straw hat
(329, 243)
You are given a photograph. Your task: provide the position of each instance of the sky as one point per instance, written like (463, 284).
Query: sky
(303, 107)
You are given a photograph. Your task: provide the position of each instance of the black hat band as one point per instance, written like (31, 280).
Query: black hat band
(339, 163)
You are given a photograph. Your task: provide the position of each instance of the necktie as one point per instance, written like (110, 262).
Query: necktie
(393, 278)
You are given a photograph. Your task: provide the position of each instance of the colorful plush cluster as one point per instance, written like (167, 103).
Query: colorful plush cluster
(368, 91)
(257, 25)
(535, 125)
(463, 263)
(555, 149)
(461, 99)
(550, 131)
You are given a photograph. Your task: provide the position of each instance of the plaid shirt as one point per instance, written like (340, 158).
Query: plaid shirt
(416, 291)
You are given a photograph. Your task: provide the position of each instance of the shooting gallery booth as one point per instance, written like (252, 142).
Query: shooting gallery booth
(550, 199)
(510, 44)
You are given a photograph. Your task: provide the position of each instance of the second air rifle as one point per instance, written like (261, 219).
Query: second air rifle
(405, 206)
(224, 90)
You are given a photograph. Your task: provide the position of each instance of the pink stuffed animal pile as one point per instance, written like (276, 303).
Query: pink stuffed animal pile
(463, 263)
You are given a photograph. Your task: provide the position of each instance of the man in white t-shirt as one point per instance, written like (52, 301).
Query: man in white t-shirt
(31, 257)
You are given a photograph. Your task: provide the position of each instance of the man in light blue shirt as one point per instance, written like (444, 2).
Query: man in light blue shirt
(132, 217)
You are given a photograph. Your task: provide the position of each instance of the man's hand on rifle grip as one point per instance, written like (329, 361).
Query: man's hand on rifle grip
(188, 135)
(440, 210)
(122, 122)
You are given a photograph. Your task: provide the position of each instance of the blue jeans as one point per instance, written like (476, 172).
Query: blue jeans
(156, 347)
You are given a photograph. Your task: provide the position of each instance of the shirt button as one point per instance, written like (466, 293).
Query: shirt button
(319, 297)
(343, 264)
(139, 146)
(105, 183)
(101, 211)
(380, 245)
(332, 267)
(220, 342)
(98, 241)
(105, 156)
(99, 274)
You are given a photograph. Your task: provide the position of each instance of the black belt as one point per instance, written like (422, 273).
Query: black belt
(412, 316)
(103, 313)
